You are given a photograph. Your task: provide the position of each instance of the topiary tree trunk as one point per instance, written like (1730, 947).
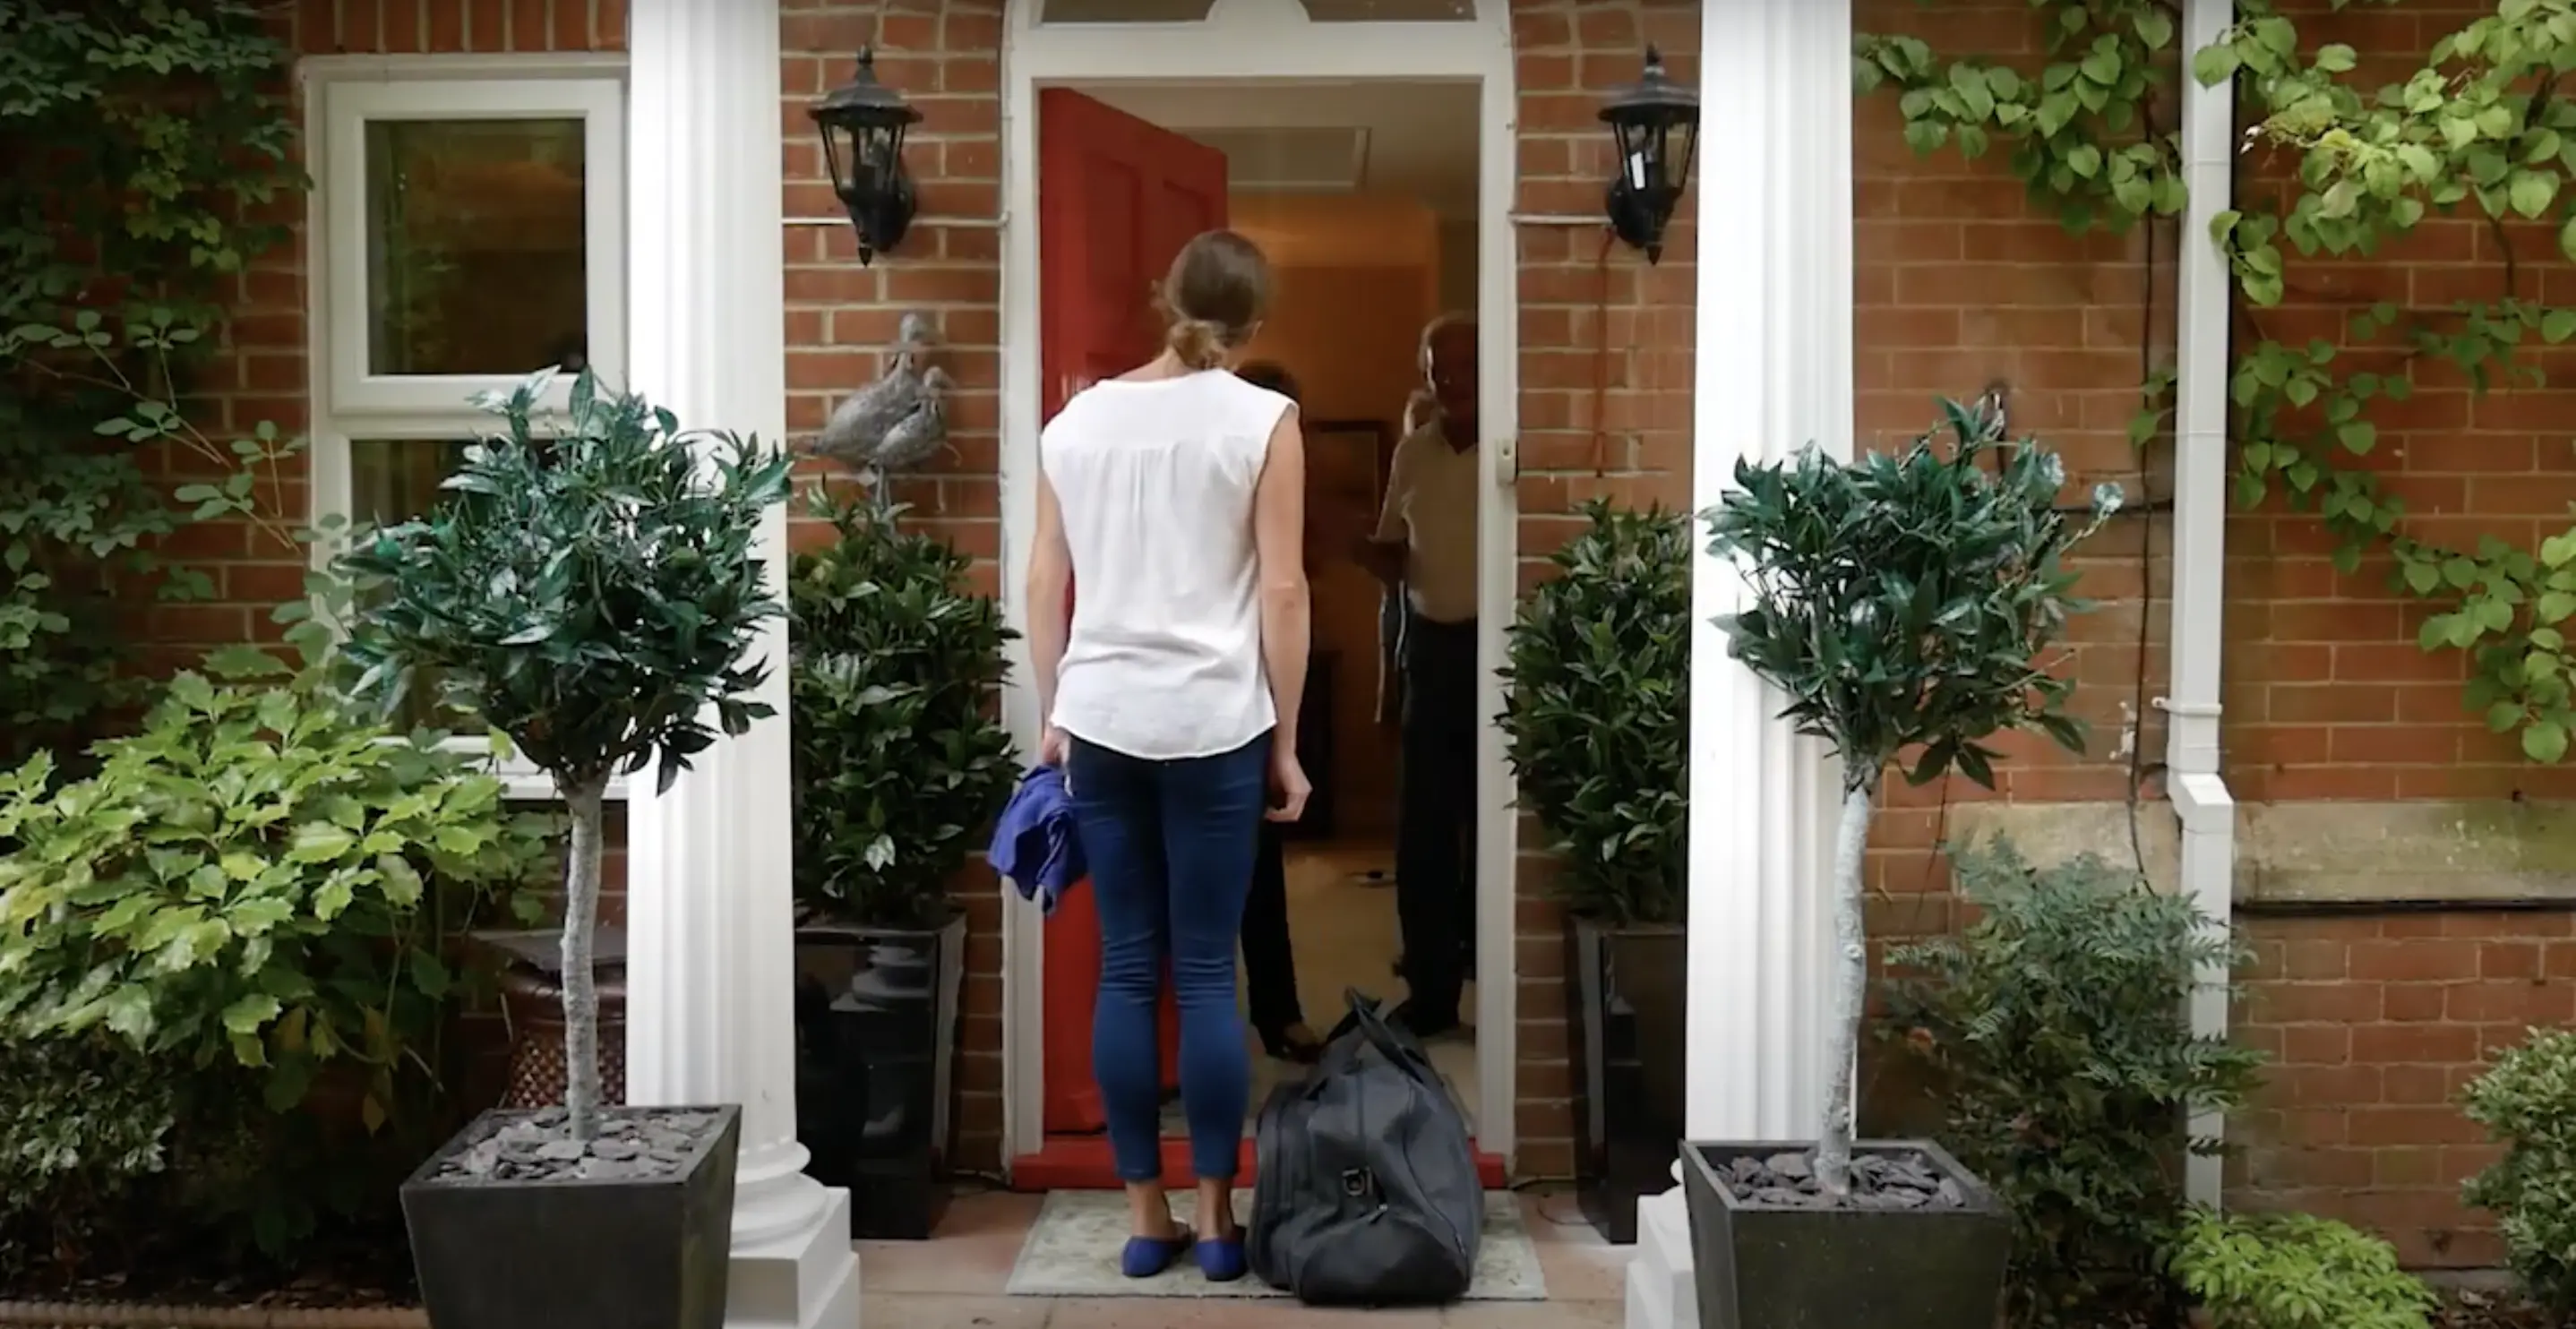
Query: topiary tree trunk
(587, 801)
(1851, 983)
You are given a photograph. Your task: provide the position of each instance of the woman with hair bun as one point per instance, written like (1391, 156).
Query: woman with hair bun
(1175, 495)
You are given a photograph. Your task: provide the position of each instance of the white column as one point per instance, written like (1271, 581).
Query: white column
(1774, 372)
(710, 1015)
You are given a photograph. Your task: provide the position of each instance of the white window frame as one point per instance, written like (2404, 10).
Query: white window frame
(346, 402)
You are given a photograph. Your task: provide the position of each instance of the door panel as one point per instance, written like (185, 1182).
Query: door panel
(1117, 198)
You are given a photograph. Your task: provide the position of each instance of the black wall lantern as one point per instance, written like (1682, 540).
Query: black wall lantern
(1656, 122)
(863, 124)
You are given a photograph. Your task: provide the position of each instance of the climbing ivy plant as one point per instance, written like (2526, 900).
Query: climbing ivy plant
(2478, 129)
(150, 165)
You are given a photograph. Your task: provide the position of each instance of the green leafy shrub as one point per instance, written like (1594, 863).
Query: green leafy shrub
(84, 1122)
(2058, 1032)
(1599, 720)
(901, 762)
(1903, 602)
(2296, 1271)
(2527, 1103)
(249, 880)
(152, 143)
(591, 592)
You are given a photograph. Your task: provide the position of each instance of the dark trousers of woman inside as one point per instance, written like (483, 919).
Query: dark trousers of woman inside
(1170, 845)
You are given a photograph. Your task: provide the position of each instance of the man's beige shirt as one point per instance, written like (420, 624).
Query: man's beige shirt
(1431, 502)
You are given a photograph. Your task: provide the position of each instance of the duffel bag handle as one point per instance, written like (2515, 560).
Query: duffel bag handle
(1396, 1047)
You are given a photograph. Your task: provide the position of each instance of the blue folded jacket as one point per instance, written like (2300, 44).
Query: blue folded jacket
(1035, 846)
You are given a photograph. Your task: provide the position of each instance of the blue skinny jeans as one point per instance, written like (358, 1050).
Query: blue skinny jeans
(1170, 846)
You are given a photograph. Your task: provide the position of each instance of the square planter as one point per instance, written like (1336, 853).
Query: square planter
(1775, 1266)
(876, 1041)
(640, 1244)
(1626, 1024)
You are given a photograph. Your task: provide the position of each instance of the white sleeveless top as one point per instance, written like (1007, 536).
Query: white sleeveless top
(1156, 482)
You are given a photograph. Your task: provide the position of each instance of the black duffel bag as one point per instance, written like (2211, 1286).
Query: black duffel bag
(1367, 1192)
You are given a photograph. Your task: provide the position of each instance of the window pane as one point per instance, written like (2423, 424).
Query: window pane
(475, 262)
(395, 480)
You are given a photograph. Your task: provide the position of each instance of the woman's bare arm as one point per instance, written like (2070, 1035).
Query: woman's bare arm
(1279, 536)
(1050, 584)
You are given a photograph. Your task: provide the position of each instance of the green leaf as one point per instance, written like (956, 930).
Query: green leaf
(251, 1013)
(2532, 192)
(2154, 27)
(2215, 64)
(2544, 741)
(320, 842)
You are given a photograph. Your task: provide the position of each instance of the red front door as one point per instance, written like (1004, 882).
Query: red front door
(1117, 198)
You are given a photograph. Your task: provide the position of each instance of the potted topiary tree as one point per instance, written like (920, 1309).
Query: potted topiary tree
(901, 765)
(1902, 603)
(590, 591)
(1598, 730)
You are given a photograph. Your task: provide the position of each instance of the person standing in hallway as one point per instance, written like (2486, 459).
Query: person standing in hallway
(1175, 495)
(1269, 955)
(1426, 544)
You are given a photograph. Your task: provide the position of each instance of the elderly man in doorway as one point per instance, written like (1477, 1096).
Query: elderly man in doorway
(1425, 546)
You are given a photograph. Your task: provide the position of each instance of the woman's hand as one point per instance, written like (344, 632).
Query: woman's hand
(1052, 747)
(1288, 787)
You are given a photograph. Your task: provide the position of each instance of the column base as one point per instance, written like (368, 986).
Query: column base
(805, 1279)
(1662, 1289)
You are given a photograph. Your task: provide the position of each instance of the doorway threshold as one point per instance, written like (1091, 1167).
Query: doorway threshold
(1082, 1163)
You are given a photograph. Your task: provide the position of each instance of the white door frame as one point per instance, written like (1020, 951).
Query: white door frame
(1273, 40)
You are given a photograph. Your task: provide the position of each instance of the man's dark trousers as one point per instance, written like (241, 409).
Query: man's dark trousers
(1435, 842)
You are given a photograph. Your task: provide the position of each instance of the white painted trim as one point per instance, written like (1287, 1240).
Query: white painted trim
(1268, 40)
(1774, 371)
(340, 94)
(2202, 462)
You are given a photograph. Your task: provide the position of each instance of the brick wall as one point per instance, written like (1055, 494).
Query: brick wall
(2375, 1025)
(1959, 282)
(1605, 408)
(945, 56)
(2377, 1020)
(2329, 696)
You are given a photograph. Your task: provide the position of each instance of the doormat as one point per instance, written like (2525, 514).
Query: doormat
(1072, 1251)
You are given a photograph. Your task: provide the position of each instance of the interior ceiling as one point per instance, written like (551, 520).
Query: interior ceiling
(1412, 139)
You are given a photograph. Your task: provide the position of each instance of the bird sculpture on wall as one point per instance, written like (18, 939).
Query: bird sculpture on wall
(897, 422)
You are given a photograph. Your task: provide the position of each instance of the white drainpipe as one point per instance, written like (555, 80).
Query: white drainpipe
(2202, 463)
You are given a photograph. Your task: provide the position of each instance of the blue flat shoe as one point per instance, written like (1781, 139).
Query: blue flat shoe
(1221, 1259)
(1145, 1257)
